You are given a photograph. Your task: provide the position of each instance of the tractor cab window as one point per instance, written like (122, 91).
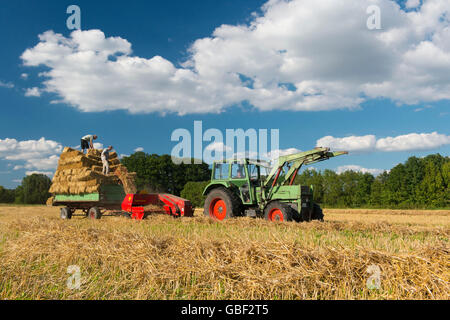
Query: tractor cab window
(238, 171)
(221, 171)
(253, 171)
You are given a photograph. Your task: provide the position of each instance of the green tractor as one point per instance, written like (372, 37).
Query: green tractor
(244, 187)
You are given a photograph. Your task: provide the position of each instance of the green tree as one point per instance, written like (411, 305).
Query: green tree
(34, 189)
(332, 195)
(194, 192)
(157, 173)
(311, 177)
(6, 195)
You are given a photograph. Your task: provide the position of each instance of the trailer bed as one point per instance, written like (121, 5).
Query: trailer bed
(110, 197)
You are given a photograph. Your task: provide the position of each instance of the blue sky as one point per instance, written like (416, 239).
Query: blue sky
(402, 103)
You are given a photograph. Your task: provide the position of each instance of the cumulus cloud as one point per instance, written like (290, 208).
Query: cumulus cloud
(33, 92)
(413, 141)
(275, 154)
(296, 55)
(39, 154)
(8, 85)
(357, 168)
(46, 173)
(352, 143)
(140, 149)
(369, 143)
(269, 157)
(218, 147)
(412, 3)
(98, 145)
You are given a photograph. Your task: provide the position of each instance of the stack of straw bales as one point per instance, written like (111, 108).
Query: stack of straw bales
(80, 174)
(127, 178)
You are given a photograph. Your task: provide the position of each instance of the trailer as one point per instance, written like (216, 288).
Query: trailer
(111, 200)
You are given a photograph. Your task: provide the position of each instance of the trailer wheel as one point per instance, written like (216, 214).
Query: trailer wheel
(66, 213)
(94, 213)
(278, 211)
(220, 204)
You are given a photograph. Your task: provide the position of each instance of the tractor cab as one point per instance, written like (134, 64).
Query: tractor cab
(242, 175)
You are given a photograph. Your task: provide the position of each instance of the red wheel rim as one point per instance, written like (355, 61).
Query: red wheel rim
(91, 214)
(276, 215)
(218, 209)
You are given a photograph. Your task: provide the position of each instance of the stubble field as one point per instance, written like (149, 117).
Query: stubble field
(354, 254)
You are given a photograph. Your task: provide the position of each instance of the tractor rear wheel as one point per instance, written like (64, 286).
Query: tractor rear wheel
(278, 211)
(220, 204)
(66, 213)
(94, 213)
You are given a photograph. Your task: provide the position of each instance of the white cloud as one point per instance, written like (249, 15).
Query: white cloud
(46, 173)
(39, 154)
(369, 143)
(8, 85)
(352, 143)
(140, 149)
(272, 155)
(298, 55)
(24, 76)
(357, 168)
(412, 4)
(218, 147)
(413, 141)
(33, 92)
(98, 145)
(267, 156)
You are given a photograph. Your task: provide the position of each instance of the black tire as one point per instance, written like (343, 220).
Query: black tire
(317, 213)
(221, 204)
(296, 216)
(278, 211)
(94, 213)
(65, 213)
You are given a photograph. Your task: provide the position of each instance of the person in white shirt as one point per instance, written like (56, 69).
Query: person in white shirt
(87, 142)
(105, 158)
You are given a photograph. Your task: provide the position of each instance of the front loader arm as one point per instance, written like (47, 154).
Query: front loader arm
(297, 160)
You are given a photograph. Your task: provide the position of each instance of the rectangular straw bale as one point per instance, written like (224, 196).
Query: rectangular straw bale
(114, 162)
(85, 161)
(70, 155)
(68, 149)
(94, 152)
(97, 168)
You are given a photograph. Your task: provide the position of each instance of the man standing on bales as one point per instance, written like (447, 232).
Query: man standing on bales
(105, 158)
(87, 142)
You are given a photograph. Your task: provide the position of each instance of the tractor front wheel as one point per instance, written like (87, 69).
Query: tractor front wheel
(278, 211)
(220, 205)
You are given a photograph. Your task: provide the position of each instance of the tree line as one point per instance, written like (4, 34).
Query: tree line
(33, 190)
(417, 183)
